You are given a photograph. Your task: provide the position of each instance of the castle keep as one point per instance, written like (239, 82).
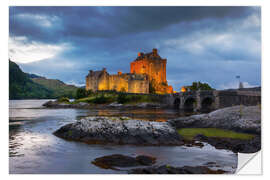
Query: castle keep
(147, 74)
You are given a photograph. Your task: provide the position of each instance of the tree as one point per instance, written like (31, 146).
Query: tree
(82, 92)
(199, 86)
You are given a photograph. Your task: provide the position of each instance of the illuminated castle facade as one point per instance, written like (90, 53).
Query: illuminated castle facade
(147, 75)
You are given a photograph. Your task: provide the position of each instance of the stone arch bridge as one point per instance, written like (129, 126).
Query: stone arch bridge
(210, 100)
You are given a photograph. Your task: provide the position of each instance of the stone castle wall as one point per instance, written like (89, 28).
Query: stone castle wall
(138, 86)
(131, 83)
(146, 69)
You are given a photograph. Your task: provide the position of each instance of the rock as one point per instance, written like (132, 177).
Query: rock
(118, 160)
(145, 160)
(100, 130)
(147, 105)
(80, 105)
(83, 105)
(50, 103)
(235, 145)
(56, 104)
(192, 143)
(165, 169)
(239, 118)
(114, 104)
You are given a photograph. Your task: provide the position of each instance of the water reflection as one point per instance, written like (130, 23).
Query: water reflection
(161, 115)
(34, 149)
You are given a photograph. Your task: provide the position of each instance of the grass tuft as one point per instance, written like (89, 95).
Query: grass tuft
(190, 133)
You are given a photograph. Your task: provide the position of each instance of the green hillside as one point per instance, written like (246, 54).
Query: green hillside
(30, 86)
(22, 87)
(57, 87)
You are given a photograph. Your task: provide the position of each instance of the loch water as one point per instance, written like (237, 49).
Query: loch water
(33, 149)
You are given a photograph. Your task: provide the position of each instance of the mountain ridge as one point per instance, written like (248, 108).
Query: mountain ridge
(31, 86)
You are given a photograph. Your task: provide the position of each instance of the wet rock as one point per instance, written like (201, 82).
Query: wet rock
(148, 105)
(56, 104)
(193, 143)
(118, 160)
(102, 130)
(211, 164)
(239, 118)
(235, 145)
(50, 103)
(165, 169)
(114, 104)
(145, 160)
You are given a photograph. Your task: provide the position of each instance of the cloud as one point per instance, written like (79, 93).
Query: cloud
(207, 44)
(41, 20)
(23, 51)
(106, 22)
(72, 82)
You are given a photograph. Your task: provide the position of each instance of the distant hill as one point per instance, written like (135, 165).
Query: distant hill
(57, 87)
(22, 87)
(33, 76)
(30, 86)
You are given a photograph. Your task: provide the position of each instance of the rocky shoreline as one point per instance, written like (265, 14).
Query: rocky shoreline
(165, 169)
(238, 118)
(147, 165)
(235, 145)
(83, 105)
(123, 130)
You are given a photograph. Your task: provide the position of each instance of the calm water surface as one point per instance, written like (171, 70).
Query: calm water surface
(34, 149)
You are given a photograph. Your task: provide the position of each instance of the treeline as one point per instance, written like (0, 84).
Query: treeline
(199, 86)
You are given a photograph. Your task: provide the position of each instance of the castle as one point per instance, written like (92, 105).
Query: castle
(147, 75)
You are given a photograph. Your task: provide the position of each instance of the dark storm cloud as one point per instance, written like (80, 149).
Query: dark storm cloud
(80, 22)
(197, 41)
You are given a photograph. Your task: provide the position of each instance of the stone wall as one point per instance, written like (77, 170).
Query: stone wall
(101, 80)
(118, 82)
(138, 86)
(227, 99)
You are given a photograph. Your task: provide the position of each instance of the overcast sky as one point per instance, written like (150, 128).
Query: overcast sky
(207, 44)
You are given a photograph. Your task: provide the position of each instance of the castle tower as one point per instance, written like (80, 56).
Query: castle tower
(154, 66)
(151, 64)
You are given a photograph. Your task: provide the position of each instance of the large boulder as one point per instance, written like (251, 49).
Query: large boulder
(118, 160)
(99, 130)
(238, 118)
(176, 170)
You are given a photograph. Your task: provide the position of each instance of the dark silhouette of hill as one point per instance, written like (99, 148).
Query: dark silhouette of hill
(30, 86)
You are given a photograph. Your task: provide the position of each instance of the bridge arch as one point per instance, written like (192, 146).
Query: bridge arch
(190, 104)
(207, 104)
(176, 102)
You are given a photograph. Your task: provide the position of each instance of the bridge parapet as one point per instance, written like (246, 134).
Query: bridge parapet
(198, 100)
(249, 93)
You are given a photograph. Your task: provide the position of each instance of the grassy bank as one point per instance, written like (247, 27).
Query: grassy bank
(122, 98)
(190, 133)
